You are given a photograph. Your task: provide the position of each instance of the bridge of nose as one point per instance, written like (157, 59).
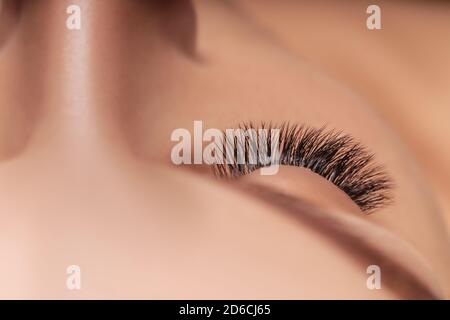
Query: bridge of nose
(76, 84)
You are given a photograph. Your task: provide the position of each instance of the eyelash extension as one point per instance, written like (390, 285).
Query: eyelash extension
(335, 156)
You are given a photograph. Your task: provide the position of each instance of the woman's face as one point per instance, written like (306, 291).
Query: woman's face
(86, 177)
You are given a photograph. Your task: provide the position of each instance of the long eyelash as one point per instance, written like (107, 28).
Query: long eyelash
(335, 156)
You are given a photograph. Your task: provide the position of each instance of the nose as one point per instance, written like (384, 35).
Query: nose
(73, 88)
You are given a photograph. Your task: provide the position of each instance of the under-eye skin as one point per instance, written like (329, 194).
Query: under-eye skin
(335, 156)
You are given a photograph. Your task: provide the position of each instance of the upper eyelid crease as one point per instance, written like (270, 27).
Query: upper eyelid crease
(404, 269)
(335, 156)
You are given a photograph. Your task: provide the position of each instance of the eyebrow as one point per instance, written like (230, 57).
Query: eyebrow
(404, 269)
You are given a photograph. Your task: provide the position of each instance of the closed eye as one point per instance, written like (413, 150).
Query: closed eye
(337, 157)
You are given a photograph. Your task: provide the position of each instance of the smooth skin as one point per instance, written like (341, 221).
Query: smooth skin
(86, 177)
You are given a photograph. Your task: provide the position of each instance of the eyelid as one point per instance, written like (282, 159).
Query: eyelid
(306, 185)
(404, 269)
(337, 157)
